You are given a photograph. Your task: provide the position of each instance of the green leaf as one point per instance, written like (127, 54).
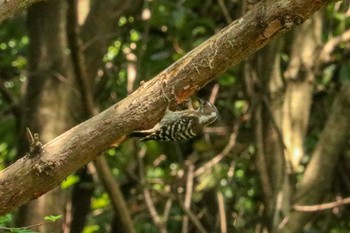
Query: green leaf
(69, 181)
(91, 229)
(5, 219)
(53, 218)
(100, 202)
(227, 80)
(345, 74)
(22, 230)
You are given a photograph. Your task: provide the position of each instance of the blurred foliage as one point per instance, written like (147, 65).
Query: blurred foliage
(7, 223)
(173, 29)
(13, 48)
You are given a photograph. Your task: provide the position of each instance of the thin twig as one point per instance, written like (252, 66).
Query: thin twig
(278, 209)
(167, 209)
(273, 121)
(225, 11)
(191, 215)
(131, 70)
(320, 207)
(97, 38)
(10, 229)
(329, 47)
(223, 153)
(146, 17)
(188, 195)
(147, 195)
(260, 154)
(222, 213)
(214, 93)
(193, 218)
(78, 60)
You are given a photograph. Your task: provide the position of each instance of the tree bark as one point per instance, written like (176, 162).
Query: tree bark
(9, 7)
(29, 178)
(265, 88)
(299, 78)
(50, 105)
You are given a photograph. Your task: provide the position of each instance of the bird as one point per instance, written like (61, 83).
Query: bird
(181, 124)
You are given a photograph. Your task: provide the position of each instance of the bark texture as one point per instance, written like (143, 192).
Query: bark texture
(265, 88)
(10, 7)
(50, 107)
(31, 177)
(300, 77)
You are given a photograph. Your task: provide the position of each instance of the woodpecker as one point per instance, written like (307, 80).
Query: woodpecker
(180, 125)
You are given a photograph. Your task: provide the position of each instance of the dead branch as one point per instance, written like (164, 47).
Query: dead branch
(228, 148)
(325, 206)
(329, 47)
(188, 195)
(156, 218)
(222, 212)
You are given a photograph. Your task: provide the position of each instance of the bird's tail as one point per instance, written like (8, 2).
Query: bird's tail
(143, 136)
(138, 134)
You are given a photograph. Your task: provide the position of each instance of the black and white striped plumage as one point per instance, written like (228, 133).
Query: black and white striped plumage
(180, 125)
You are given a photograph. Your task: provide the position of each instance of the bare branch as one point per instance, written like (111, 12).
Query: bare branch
(188, 195)
(157, 220)
(193, 217)
(225, 11)
(328, 48)
(325, 206)
(222, 212)
(78, 59)
(230, 145)
(115, 194)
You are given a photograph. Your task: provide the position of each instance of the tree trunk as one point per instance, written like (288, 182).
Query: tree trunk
(51, 105)
(265, 88)
(299, 78)
(282, 112)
